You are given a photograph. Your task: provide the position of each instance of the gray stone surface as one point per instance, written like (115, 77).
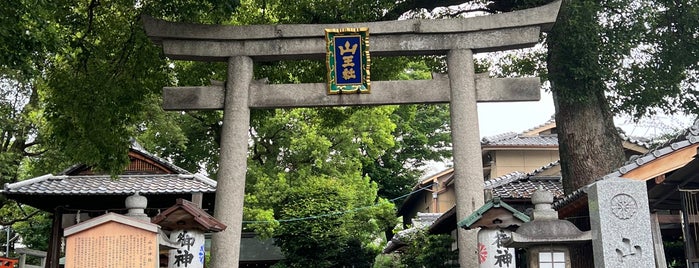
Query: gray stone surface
(136, 204)
(545, 229)
(468, 169)
(263, 95)
(225, 246)
(315, 48)
(542, 16)
(239, 45)
(620, 221)
(279, 42)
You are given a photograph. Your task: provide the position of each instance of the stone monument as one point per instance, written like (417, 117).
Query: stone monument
(620, 222)
(240, 46)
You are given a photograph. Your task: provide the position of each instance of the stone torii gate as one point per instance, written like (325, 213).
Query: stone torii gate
(240, 46)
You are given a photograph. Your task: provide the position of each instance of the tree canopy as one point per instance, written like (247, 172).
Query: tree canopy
(80, 79)
(92, 82)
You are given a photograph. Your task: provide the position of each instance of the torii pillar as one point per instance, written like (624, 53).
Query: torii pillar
(240, 46)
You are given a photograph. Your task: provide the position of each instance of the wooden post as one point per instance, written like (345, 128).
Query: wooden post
(658, 247)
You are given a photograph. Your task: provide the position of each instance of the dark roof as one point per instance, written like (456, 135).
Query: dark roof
(185, 215)
(474, 220)
(139, 150)
(685, 139)
(511, 139)
(531, 138)
(256, 251)
(78, 188)
(518, 185)
(105, 185)
(100, 192)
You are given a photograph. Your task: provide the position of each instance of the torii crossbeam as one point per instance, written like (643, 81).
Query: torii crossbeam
(240, 46)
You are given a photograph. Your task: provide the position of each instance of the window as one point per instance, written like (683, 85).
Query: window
(552, 260)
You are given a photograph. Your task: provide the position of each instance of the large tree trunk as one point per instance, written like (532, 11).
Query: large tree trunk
(589, 144)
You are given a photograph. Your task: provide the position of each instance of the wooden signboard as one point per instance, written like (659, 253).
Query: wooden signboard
(348, 60)
(112, 241)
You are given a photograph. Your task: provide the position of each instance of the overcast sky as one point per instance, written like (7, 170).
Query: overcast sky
(498, 118)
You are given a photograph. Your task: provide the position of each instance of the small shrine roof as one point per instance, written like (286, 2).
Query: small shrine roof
(185, 215)
(489, 212)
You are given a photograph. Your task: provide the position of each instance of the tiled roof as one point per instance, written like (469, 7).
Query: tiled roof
(541, 140)
(104, 185)
(185, 215)
(548, 124)
(504, 179)
(477, 215)
(528, 138)
(499, 137)
(136, 147)
(422, 221)
(518, 185)
(686, 139)
(636, 140)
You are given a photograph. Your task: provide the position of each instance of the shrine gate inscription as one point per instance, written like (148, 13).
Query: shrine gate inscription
(240, 46)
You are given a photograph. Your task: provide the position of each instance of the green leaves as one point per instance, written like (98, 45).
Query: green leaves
(101, 84)
(659, 70)
(429, 250)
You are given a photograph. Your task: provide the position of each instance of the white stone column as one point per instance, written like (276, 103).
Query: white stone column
(225, 247)
(468, 169)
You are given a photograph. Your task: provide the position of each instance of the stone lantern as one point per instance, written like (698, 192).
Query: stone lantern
(547, 238)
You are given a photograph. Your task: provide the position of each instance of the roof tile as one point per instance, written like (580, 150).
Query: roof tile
(124, 184)
(518, 185)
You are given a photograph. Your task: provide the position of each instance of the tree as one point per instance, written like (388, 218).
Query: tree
(102, 60)
(305, 178)
(583, 117)
(429, 250)
(635, 55)
(65, 56)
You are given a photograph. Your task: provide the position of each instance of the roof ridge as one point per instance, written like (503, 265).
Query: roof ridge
(499, 137)
(543, 168)
(504, 179)
(551, 120)
(28, 182)
(635, 140)
(203, 179)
